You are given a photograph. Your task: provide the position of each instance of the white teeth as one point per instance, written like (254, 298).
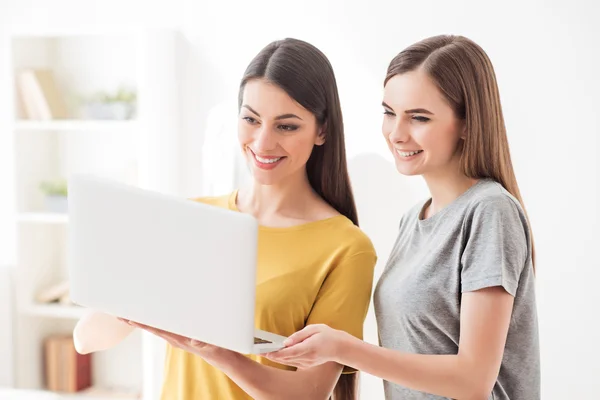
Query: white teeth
(267, 160)
(409, 153)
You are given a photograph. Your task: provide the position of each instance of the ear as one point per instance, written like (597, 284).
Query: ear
(320, 140)
(463, 131)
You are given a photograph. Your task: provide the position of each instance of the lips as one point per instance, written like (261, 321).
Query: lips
(267, 162)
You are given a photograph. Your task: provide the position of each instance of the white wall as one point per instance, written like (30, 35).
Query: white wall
(546, 58)
(6, 233)
(6, 322)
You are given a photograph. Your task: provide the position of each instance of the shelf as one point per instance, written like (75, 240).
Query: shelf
(54, 311)
(88, 394)
(98, 394)
(76, 125)
(44, 218)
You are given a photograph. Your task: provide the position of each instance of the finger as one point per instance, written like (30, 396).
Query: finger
(291, 353)
(139, 325)
(301, 335)
(158, 332)
(162, 333)
(173, 341)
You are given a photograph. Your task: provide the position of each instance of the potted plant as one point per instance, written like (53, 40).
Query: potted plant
(55, 193)
(120, 105)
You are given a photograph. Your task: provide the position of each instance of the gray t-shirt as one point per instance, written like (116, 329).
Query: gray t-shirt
(480, 240)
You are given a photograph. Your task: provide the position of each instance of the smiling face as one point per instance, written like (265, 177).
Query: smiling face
(420, 128)
(277, 135)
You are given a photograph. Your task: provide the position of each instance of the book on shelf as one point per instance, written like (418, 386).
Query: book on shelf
(39, 95)
(66, 370)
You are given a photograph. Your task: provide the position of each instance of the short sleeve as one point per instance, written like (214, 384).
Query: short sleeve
(344, 297)
(497, 247)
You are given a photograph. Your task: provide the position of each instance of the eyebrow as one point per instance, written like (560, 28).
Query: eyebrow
(418, 111)
(412, 111)
(284, 116)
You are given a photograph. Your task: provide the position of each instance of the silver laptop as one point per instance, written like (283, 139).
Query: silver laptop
(171, 263)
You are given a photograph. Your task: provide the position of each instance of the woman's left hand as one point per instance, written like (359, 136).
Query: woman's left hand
(310, 347)
(190, 345)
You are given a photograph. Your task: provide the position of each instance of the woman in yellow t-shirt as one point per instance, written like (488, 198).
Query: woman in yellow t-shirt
(314, 264)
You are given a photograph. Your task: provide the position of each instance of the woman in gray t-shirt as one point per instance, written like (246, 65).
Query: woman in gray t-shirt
(455, 305)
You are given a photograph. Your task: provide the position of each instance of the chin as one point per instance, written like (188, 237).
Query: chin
(407, 170)
(266, 178)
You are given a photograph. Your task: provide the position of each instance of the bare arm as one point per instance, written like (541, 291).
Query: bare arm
(262, 382)
(265, 382)
(470, 374)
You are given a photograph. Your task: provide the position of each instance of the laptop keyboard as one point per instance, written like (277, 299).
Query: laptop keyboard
(260, 341)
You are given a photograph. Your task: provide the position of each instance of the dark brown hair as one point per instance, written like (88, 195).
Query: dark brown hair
(306, 75)
(465, 76)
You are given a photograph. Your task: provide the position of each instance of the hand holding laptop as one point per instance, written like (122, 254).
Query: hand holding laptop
(190, 345)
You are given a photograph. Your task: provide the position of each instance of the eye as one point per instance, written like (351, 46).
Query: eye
(420, 118)
(389, 113)
(288, 128)
(250, 120)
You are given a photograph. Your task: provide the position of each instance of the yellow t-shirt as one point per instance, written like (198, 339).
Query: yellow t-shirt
(317, 272)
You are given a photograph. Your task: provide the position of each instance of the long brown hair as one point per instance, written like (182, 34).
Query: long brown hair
(306, 75)
(464, 74)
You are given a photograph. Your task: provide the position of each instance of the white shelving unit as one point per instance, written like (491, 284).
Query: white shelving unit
(75, 126)
(43, 217)
(141, 151)
(54, 311)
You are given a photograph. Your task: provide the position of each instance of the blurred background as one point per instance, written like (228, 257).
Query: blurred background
(146, 93)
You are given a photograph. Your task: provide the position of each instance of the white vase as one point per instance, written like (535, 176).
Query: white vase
(56, 204)
(111, 111)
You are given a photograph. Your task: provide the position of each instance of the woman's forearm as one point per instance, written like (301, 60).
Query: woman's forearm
(263, 382)
(450, 376)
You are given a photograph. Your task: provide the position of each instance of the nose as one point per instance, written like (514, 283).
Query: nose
(265, 140)
(399, 133)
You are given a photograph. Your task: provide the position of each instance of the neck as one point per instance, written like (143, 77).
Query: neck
(288, 197)
(445, 187)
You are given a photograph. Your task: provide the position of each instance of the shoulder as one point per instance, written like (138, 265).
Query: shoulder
(493, 214)
(492, 200)
(338, 242)
(351, 237)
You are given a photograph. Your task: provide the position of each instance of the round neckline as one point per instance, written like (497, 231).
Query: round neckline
(448, 208)
(232, 205)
